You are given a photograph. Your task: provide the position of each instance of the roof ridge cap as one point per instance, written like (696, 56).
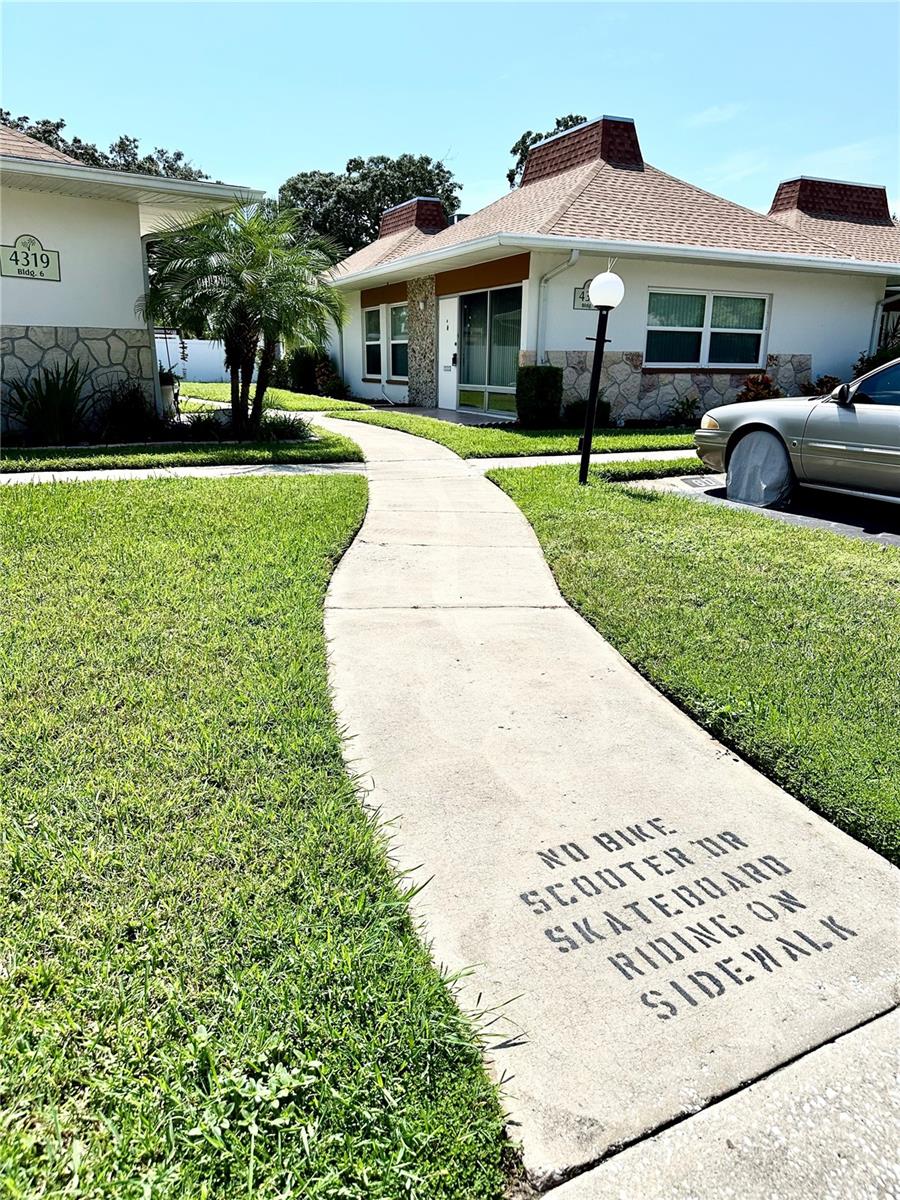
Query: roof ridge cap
(752, 211)
(566, 204)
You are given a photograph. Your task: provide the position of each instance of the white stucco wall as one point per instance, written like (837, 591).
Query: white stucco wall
(353, 356)
(101, 273)
(826, 315)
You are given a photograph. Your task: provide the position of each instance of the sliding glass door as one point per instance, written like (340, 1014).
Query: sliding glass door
(490, 327)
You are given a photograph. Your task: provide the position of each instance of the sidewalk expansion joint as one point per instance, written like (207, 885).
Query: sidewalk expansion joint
(649, 1134)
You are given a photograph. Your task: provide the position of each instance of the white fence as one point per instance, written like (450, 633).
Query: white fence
(205, 360)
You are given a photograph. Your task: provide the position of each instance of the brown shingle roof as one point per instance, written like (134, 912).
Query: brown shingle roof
(598, 200)
(384, 249)
(648, 205)
(598, 197)
(852, 217)
(19, 145)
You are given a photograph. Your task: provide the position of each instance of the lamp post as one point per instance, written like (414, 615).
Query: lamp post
(605, 293)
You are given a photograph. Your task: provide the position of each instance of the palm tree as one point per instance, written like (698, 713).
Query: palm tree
(250, 279)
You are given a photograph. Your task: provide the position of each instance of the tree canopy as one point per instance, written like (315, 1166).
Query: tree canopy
(529, 138)
(346, 207)
(123, 155)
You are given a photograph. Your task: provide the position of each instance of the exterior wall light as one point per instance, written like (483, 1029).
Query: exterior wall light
(605, 292)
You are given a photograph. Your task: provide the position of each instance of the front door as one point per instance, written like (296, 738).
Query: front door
(858, 445)
(448, 350)
(490, 328)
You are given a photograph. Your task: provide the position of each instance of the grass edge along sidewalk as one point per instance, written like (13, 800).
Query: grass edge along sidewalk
(275, 398)
(475, 441)
(211, 984)
(324, 447)
(784, 642)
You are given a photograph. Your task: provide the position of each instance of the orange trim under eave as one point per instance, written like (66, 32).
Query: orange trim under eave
(496, 273)
(390, 293)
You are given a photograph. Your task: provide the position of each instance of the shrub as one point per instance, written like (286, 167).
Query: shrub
(275, 428)
(573, 414)
(823, 386)
(538, 396)
(51, 408)
(207, 426)
(125, 414)
(328, 382)
(884, 354)
(683, 411)
(296, 372)
(759, 387)
(309, 372)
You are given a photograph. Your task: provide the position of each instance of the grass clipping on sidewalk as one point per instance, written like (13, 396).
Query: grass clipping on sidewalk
(783, 641)
(210, 984)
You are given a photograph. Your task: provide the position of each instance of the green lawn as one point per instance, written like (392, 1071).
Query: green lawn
(471, 441)
(275, 398)
(327, 447)
(192, 406)
(210, 984)
(783, 641)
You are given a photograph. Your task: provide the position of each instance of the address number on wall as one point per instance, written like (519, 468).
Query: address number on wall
(26, 258)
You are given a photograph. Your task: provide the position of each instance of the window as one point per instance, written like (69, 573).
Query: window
(881, 388)
(489, 338)
(705, 329)
(372, 328)
(399, 342)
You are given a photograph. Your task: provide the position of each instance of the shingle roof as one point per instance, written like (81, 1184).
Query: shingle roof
(852, 217)
(637, 203)
(384, 249)
(19, 145)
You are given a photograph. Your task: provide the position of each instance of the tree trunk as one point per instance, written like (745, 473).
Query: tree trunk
(237, 424)
(246, 377)
(263, 375)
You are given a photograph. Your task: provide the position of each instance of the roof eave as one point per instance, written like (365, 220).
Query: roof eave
(167, 188)
(414, 263)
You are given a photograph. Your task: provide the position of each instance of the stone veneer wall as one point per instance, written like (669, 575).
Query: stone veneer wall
(108, 354)
(620, 378)
(635, 393)
(421, 327)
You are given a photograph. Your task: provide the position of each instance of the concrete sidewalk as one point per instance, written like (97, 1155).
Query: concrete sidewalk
(428, 465)
(648, 924)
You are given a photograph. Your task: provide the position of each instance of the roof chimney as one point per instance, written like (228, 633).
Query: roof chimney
(425, 213)
(612, 140)
(832, 199)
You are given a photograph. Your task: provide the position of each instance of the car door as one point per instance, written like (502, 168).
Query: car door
(857, 445)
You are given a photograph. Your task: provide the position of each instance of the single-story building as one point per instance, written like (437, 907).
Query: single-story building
(73, 259)
(442, 314)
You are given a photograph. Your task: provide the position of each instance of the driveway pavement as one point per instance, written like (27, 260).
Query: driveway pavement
(646, 924)
(870, 520)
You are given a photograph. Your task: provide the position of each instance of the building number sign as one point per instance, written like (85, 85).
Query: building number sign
(27, 259)
(581, 298)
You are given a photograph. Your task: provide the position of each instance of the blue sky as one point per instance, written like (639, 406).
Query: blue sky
(731, 96)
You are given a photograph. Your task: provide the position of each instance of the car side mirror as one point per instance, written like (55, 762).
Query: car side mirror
(841, 395)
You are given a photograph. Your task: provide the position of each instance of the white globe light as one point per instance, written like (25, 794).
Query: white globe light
(606, 290)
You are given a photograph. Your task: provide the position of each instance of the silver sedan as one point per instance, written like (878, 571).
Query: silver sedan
(846, 442)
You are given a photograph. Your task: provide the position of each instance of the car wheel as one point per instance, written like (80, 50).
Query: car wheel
(760, 471)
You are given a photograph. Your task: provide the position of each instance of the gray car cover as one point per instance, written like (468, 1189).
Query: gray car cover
(759, 471)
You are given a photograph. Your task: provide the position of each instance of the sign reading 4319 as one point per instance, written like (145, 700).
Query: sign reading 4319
(27, 259)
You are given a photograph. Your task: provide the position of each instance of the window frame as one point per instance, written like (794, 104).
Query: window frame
(392, 342)
(367, 342)
(487, 387)
(707, 329)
